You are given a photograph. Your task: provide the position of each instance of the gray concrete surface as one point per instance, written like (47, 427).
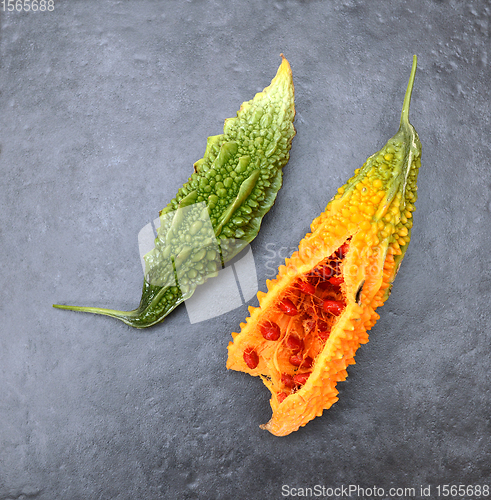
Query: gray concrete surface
(104, 107)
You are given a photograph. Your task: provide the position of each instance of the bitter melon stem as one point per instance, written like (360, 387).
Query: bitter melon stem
(409, 91)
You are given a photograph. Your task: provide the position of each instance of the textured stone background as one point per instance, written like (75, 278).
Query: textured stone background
(104, 106)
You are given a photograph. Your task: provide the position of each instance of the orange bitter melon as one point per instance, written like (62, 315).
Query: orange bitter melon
(317, 311)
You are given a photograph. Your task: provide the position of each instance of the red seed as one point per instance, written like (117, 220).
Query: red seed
(310, 311)
(294, 343)
(287, 380)
(343, 250)
(325, 285)
(307, 362)
(323, 330)
(270, 331)
(336, 280)
(334, 306)
(306, 287)
(301, 378)
(325, 272)
(288, 307)
(296, 359)
(251, 358)
(281, 396)
(309, 325)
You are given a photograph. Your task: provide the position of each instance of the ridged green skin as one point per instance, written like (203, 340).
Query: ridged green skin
(219, 209)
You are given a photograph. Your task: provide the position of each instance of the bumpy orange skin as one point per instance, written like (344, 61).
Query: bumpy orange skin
(373, 212)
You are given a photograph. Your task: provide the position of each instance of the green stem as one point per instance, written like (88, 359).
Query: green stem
(409, 91)
(98, 310)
